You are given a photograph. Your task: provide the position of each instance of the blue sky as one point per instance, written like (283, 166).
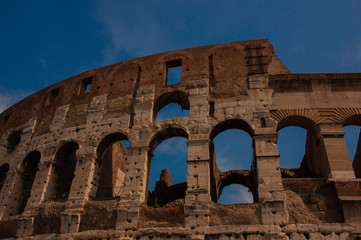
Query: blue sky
(43, 42)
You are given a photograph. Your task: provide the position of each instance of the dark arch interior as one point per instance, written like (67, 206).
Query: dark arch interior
(65, 162)
(14, 140)
(30, 167)
(3, 171)
(112, 160)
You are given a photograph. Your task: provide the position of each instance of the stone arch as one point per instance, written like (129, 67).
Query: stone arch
(166, 133)
(221, 179)
(299, 121)
(28, 171)
(4, 168)
(231, 124)
(177, 97)
(347, 116)
(111, 165)
(352, 120)
(164, 191)
(109, 139)
(64, 170)
(242, 177)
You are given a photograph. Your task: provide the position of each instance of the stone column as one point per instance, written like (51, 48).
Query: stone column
(269, 180)
(336, 151)
(10, 191)
(26, 222)
(341, 173)
(198, 197)
(135, 189)
(81, 187)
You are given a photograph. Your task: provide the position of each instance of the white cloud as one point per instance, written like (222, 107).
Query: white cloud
(131, 31)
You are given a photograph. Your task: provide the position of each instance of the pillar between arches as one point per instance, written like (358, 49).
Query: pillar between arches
(269, 180)
(26, 222)
(135, 188)
(39, 188)
(198, 197)
(81, 188)
(11, 188)
(338, 159)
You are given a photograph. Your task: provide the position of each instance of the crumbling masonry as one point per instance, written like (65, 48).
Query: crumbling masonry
(66, 174)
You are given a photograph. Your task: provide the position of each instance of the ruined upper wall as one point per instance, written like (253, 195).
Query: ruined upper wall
(226, 65)
(239, 85)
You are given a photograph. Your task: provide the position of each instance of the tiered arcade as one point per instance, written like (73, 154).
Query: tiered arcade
(65, 172)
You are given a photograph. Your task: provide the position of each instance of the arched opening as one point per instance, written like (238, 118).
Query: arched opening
(231, 162)
(29, 169)
(168, 167)
(233, 150)
(3, 172)
(170, 111)
(173, 105)
(111, 165)
(291, 148)
(13, 140)
(353, 142)
(301, 154)
(235, 186)
(65, 163)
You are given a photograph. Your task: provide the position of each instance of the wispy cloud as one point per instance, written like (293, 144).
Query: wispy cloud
(228, 159)
(131, 32)
(174, 146)
(9, 97)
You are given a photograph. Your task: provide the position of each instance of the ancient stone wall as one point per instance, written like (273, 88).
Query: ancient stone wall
(65, 173)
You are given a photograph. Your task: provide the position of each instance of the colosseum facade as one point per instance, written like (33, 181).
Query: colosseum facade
(66, 174)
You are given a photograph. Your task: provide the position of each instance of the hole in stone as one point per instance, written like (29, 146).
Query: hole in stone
(13, 140)
(85, 86)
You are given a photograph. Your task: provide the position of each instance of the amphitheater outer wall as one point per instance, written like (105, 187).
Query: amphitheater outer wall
(78, 124)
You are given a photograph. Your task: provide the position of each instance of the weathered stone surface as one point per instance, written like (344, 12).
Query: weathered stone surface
(66, 174)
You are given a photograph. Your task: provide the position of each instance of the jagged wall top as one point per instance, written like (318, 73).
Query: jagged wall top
(224, 64)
